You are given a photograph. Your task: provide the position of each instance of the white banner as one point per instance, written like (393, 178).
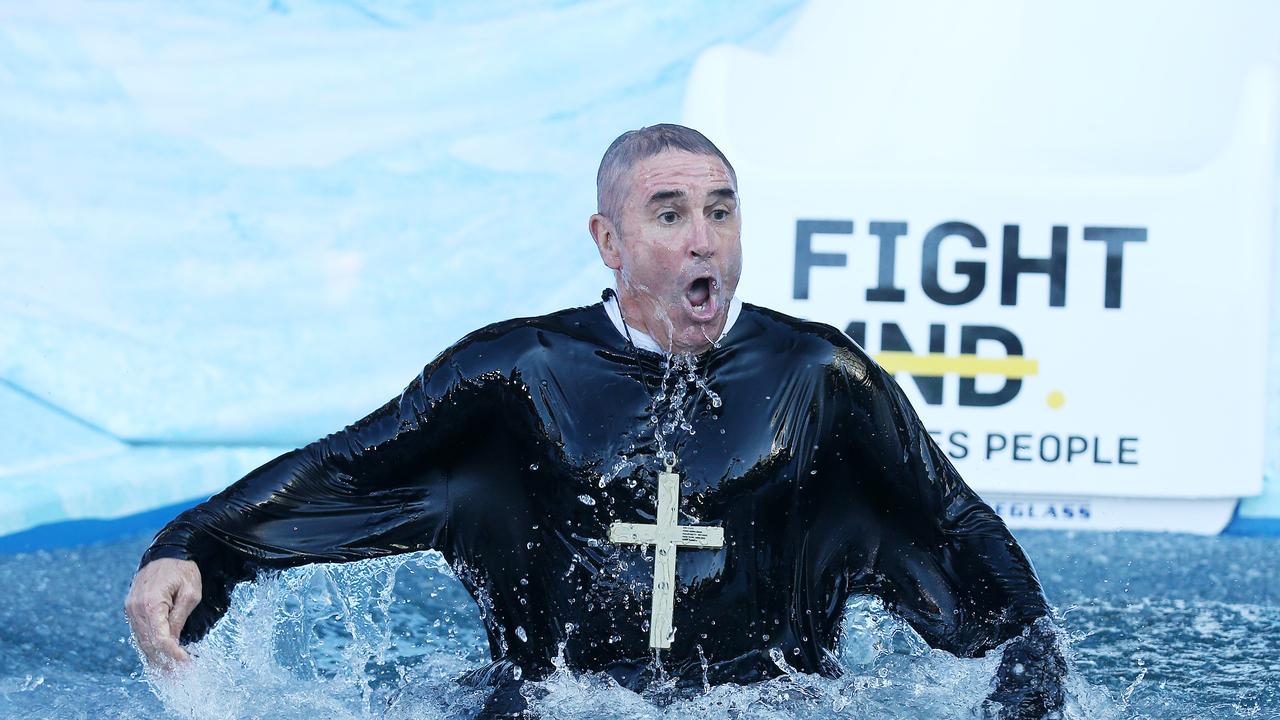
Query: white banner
(1066, 334)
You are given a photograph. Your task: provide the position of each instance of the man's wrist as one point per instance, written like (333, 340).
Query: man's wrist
(163, 551)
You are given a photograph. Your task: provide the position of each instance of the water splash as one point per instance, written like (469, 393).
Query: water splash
(1199, 611)
(389, 637)
(667, 410)
(621, 465)
(338, 641)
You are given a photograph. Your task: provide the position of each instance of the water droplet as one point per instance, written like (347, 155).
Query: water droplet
(586, 500)
(533, 466)
(520, 633)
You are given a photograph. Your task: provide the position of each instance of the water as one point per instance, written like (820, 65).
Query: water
(668, 413)
(1160, 627)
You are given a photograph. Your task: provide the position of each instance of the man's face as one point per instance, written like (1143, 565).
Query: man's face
(677, 248)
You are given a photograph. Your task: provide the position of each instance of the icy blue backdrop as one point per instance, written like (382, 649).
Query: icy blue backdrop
(228, 228)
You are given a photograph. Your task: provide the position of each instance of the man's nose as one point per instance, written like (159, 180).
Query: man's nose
(702, 239)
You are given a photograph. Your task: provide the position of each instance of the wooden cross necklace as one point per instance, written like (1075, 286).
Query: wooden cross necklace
(665, 535)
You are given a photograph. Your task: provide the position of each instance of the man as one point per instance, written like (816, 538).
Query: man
(771, 468)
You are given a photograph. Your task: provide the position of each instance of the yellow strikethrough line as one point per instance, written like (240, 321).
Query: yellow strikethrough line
(962, 365)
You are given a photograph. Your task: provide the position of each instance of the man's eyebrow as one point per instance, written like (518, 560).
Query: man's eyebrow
(664, 195)
(726, 193)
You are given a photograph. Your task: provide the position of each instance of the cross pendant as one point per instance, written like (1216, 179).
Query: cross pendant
(665, 535)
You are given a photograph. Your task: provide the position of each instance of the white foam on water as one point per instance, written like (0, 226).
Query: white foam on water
(389, 637)
(1184, 626)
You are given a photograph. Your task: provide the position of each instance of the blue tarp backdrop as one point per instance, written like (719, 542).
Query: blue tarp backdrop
(229, 228)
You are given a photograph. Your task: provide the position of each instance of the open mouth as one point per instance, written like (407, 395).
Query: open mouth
(701, 297)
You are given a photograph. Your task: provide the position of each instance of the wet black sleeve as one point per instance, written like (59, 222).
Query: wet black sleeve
(943, 560)
(368, 490)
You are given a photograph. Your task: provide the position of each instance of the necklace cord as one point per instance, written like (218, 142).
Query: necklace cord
(611, 293)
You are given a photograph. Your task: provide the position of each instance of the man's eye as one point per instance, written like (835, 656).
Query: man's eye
(669, 217)
(719, 214)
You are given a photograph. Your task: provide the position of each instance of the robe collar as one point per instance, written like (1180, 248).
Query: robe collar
(642, 340)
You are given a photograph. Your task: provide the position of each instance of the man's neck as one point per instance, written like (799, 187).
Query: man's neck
(630, 324)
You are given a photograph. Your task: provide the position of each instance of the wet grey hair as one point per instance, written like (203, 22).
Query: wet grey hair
(635, 145)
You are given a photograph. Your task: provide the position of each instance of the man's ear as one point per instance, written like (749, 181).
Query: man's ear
(607, 240)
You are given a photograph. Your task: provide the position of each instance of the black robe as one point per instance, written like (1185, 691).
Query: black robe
(824, 479)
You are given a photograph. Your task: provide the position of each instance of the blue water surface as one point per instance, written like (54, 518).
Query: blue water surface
(1158, 626)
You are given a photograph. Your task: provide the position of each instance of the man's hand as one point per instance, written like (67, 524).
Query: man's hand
(1030, 678)
(164, 593)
